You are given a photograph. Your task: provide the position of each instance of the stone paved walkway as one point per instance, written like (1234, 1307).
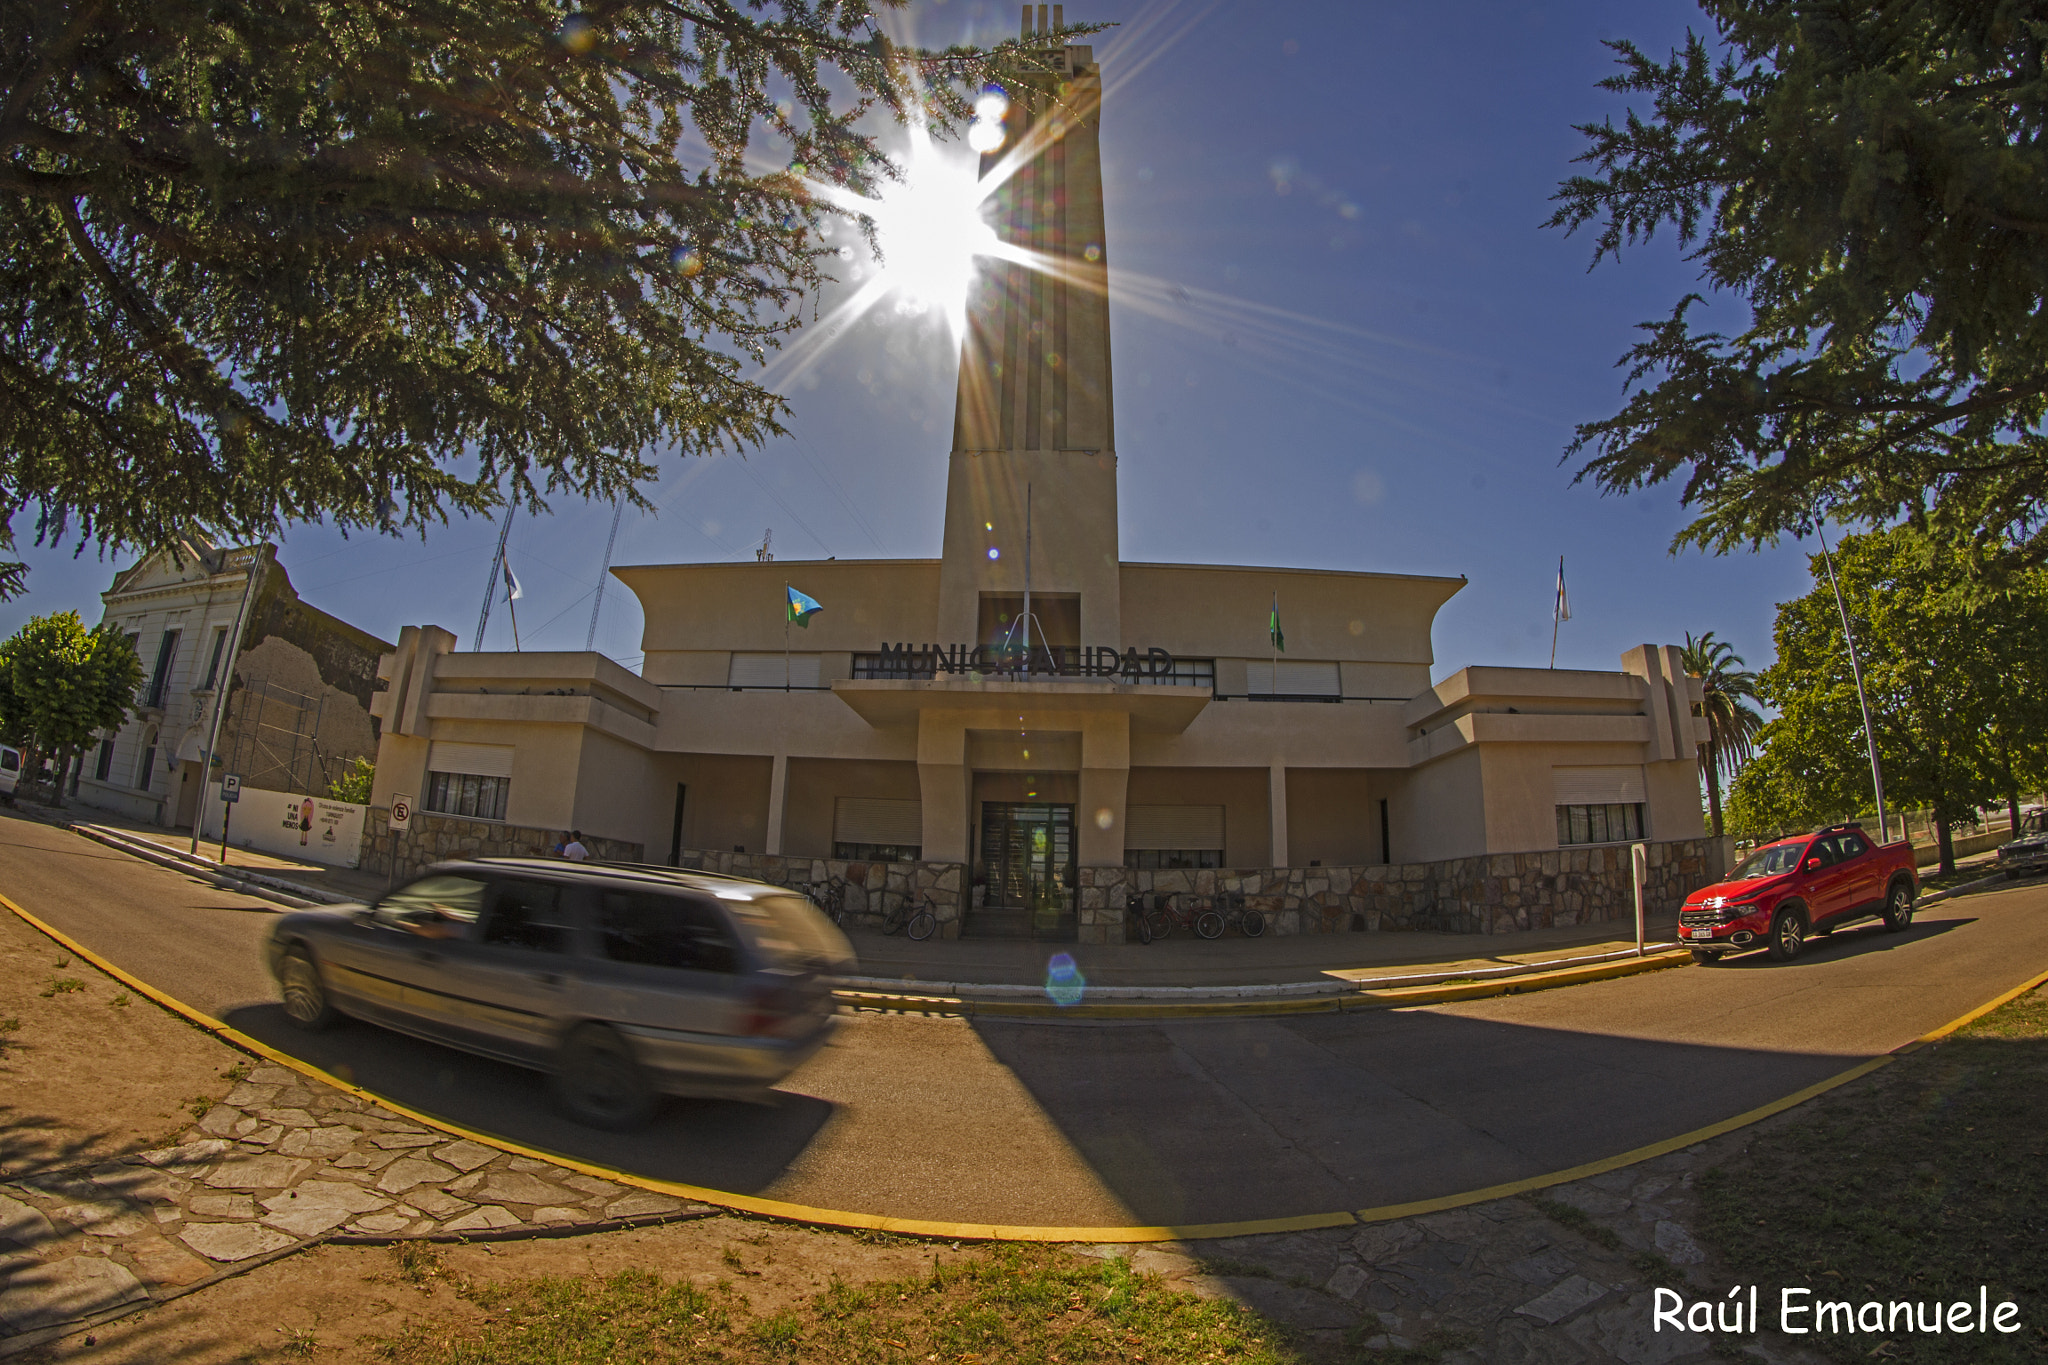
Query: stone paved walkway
(282, 1161)
(1500, 1283)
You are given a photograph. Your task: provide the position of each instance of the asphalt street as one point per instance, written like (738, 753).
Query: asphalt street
(1167, 1121)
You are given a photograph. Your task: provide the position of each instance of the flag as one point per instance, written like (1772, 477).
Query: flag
(1273, 626)
(801, 608)
(1563, 610)
(513, 592)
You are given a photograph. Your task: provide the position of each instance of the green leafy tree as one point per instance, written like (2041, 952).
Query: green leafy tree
(1865, 185)
(1945, 681)
(1727, 687)
(355, 782)
(60, 684)
(265, 261)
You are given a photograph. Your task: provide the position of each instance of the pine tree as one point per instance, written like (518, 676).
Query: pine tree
(381, 261)
(1866, 186)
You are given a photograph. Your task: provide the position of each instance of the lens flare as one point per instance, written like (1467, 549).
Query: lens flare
(1064, 984)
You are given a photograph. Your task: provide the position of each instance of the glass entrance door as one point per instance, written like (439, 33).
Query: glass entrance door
(1027, 855)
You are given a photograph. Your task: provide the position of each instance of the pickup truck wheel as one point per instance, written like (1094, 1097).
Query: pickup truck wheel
(1788, 935)
(598, 1082)
(305, 995)
(1898, 908)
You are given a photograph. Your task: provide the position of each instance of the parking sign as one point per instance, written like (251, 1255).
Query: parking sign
(231, 788)
(401, 812)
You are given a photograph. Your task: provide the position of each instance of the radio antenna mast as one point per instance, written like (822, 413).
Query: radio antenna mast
(491, 583)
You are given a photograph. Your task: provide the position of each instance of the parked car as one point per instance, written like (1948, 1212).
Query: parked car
(2027, 855)
(1797, 888)
(624, 983)
(10, 772)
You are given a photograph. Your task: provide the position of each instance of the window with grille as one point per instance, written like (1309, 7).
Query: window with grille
(467, 794)
(1608, 824)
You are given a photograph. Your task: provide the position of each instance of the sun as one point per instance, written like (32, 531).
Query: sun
(931, 229)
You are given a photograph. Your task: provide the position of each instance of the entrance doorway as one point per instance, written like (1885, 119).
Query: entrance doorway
(1027, 867)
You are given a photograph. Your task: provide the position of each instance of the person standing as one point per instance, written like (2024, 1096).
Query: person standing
(574, 850)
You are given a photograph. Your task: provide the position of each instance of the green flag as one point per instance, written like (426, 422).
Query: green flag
(1273, 626)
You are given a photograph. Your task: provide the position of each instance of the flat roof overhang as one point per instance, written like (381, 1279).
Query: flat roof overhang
(1155, 709)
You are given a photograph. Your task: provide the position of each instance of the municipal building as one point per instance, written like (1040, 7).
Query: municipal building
(1135, 730)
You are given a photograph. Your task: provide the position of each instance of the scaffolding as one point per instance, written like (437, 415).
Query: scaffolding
(273, 740)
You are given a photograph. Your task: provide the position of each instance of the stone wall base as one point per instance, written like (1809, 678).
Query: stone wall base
(1490, 894)
(872, 888)
(436, 838)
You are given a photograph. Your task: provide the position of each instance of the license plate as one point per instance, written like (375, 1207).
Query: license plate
(1700, 933)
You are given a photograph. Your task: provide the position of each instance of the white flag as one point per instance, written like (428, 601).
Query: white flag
(512, 589)
(1563, 610)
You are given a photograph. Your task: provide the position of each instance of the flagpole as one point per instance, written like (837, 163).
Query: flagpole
(1027, 580)
(786, 614)
(1556, 612)
(491, 583)
(512, 605)
(1273, 648)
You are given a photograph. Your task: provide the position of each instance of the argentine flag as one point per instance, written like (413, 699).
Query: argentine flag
(801, 608)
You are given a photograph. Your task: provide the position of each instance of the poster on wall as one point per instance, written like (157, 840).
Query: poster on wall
(293, 826)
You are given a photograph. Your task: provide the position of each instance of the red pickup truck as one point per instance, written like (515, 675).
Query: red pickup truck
(1797, 888)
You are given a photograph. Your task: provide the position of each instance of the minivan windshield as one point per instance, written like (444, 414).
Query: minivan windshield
(790, 931)
(1768, 862)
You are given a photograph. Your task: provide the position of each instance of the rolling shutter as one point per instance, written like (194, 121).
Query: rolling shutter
(478, 760)
(766, 670)
(1298, 678)
(872, 820)
(1190, 827)
(1617, 786)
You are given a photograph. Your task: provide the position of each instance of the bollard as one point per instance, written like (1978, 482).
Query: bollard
(1639, 863)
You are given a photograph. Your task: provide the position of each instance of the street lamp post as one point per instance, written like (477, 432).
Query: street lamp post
(221, 686)
(1856, 669)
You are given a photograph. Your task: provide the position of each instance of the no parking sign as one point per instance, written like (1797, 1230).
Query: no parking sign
(401, 812)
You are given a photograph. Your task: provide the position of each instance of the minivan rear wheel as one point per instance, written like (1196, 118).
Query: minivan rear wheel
(599, 1083)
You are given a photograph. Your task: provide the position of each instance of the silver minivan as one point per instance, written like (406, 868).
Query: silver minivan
(623, 982)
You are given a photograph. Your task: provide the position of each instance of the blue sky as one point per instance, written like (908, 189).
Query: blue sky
(1342, 339)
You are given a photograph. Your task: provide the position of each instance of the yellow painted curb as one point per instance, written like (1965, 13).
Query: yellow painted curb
(1403, 997)
(919, 1227)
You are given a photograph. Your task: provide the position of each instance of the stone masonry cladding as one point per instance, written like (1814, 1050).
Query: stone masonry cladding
(437, 838)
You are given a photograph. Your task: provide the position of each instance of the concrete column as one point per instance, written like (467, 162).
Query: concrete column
(1276, 803)
(943, 786)
(778, 802)
(1105, 782)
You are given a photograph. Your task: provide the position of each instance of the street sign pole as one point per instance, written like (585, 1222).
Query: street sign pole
(400, 821)
(230, 793)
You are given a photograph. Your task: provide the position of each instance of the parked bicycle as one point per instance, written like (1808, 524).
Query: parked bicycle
(919, 925)
(1135, 923)
(1230, 906)
(1173, 909)
(830, 896)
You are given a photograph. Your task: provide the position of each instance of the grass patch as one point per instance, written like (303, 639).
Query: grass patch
(120, 1002)
(1920, 1183)
(62, 985)
(7, 1028)
(1010, 1303)
(199, 1104)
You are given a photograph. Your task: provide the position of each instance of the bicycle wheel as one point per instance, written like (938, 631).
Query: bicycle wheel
(1251, 924)
(894, 919)
(1158, 923)
(922, 924)
(1144, 928)
(1209, 924)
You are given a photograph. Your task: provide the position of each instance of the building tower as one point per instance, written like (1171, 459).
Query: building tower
(1033, 404)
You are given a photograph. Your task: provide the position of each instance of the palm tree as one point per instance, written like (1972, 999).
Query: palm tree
(1731, 724)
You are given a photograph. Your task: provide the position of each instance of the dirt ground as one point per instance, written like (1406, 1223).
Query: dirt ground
(88, 1070)
(84, 1079)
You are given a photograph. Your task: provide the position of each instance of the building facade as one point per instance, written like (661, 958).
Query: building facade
(1029, 727)
(301, 684)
